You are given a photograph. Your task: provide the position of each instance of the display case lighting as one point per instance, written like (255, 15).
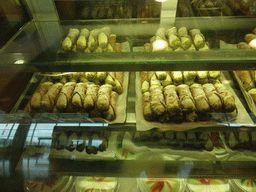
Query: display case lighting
(19, 62)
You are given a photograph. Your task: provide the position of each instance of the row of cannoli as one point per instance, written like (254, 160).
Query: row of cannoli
(96, 40)
(89, 142)
(171, 103)
(175, 39)
(165, 78)
(74, 97)
(197, 140)
(248, 43)
(249, 82)
(106, 12)
(241, 140)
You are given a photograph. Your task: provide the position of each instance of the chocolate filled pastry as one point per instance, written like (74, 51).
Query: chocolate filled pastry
(49, 99)
(187, 102)
(35, 101)
(91, 97)
(227, 98)
(64, 98)
(103, 99)
(157, 100)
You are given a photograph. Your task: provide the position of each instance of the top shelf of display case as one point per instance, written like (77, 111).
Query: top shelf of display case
(37, 46)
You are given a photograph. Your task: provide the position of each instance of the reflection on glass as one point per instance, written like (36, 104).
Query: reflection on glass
(252, 44)
(159, 45)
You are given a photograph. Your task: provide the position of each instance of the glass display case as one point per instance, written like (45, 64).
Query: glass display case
(130, 96)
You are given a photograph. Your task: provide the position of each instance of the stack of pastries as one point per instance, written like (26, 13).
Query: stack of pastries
(183, 95)
(93, 92)
(175, 39)
(94, 41)
(248, 81)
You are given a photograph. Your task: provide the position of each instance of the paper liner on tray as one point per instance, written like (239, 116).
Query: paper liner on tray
(76, 155)
(120, 104)
(247, 96)
(162, 149)
(242, 117)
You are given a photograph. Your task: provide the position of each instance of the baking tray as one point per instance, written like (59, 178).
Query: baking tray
(38, 117)
(247, 96)
(242, 118)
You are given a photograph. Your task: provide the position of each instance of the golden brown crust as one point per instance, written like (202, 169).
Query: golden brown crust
(103, 99)
(200, 98)
(91, 96)
(157, 100)
(227, 98)
(49, 99)
(213, 97)
(246, 79)
(186, 100)
(79, 95)
(172, 100)
(64, 98)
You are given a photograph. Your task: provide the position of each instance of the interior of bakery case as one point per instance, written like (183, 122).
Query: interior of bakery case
(128, 96)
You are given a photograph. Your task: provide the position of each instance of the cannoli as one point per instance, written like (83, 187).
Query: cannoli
(246, 79)
(227, 98)
(73, 34)
(35, 101)
(200, 98)
(157, 100)
(103, 99)
(110, 115)
(189, 77)
(177, 77)
(81, 43)
(202, 77)
(213, 97)
(171, 100)
(147, 110)
(197, 37)
(103, 39)
(144, 81)
(186, 100)
(79, 95)
(49, 99)
(91, 96)
(167, 81)
(119, 82)
(65, 95)
(112, 40)
(66, 44)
